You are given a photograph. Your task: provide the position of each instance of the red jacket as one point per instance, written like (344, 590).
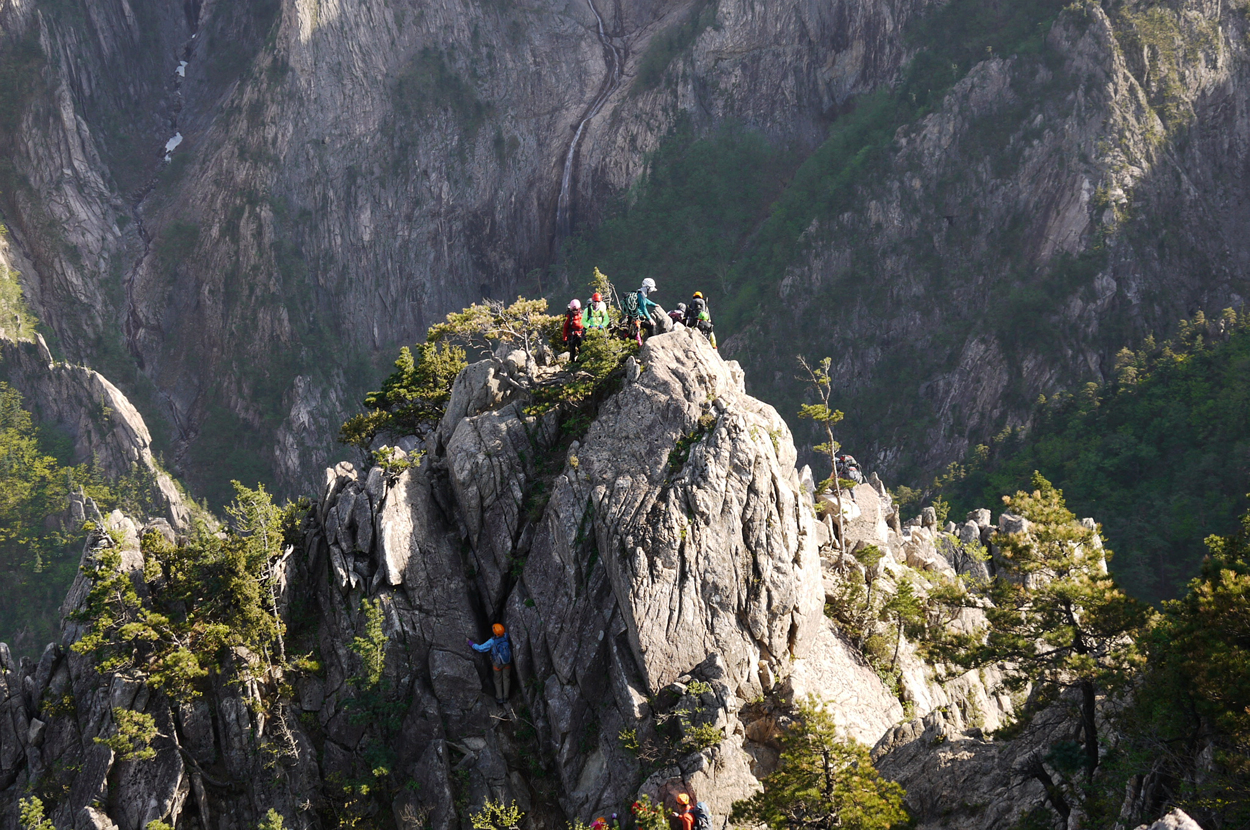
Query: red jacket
(573, 324)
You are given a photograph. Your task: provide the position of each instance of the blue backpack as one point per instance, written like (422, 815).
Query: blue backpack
(501, 651)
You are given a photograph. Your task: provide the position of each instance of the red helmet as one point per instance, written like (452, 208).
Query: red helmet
(595, 297)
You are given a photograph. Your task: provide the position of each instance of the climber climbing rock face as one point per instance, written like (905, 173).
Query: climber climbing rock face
(500, 649)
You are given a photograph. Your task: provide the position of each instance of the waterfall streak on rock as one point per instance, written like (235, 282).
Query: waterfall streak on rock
(610, 84)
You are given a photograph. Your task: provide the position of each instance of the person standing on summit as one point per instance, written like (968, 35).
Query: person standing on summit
(574, 331)
(597, 313)
(500, 649)
(638, 309)
(699, 316)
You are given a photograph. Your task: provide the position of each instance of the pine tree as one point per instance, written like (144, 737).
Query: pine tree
(822, 782)
(1055, 618)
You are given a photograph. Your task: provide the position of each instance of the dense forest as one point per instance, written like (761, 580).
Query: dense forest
(1160, 454)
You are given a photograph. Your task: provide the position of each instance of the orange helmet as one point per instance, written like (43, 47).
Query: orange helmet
(595, 296)
(498, 629)
(698, 295)
(683, 799)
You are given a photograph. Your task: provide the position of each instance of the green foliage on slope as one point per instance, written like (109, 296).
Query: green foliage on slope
(1160, 455)
(39, 545)
(1055, 620)
(412, 398)
(1188, 721)
(667, 45)
(205, 605)
(822, 781)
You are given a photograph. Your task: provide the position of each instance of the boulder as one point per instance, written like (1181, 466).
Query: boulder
(1178, 819)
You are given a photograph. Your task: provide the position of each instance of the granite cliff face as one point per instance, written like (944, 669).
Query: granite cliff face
(671, 573)
(245, 204)
(1060, 204)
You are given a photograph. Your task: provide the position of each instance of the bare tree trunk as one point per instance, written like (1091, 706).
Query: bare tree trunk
(1089, 700)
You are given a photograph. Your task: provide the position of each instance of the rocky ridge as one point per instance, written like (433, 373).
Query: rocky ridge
(670, 574)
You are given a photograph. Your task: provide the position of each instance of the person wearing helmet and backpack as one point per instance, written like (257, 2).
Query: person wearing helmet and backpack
(687, 816)
(597, 313)
(638, 310)
(574, 331)
(699, 316)
(500, 649)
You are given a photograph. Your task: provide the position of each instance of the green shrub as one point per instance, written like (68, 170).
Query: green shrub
(133, 736)
(31, 816)
(39, 555)
(208, 597)
(412, 399)
(826, 781)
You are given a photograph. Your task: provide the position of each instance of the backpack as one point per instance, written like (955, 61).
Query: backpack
(501, 651)
(702, 816)
(630, 304)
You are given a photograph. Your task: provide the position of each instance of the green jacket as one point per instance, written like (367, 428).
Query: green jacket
(597, 316)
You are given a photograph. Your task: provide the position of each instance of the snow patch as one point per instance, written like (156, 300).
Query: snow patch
(171, 144)
(181, 71)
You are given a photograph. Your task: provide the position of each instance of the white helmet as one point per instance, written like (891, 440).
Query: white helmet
(575, 305)
(648, 284)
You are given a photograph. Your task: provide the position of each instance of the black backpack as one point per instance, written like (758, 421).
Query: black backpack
(702, 816)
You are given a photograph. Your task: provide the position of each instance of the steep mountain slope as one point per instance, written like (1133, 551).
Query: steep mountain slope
(1160, 452)
(644, 596)
(660, 567)
(958, 253)
(346, 174)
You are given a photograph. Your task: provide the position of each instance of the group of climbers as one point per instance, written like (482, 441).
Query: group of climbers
(638, 317)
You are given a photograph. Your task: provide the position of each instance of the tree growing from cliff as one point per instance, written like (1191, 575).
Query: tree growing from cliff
(822, 782)
(1054, 617)
(1189, 719)
(826, 417)
(483, 326)
(196, 605)
(412, 399)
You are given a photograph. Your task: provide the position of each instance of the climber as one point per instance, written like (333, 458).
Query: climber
(638, 309)
(597, 313)
(574, 331)
(848, 468)
(678, 315)
(698, 316)
(684, 815)
(500, 649)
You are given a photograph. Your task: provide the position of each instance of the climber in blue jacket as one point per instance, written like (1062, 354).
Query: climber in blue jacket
(500, 649)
